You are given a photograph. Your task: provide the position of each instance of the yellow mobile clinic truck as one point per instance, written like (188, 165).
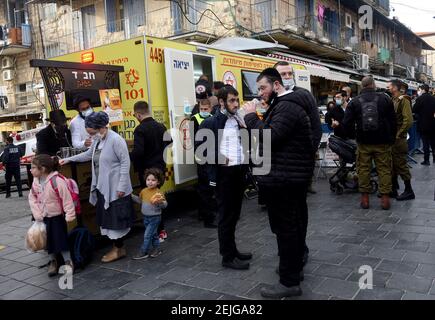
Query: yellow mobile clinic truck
(163, 73)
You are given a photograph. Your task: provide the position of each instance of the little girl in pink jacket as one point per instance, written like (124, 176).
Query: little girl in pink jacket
(54, 209)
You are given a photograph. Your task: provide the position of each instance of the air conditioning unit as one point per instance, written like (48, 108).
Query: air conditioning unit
(310, 34)
(8, 75)
(410, 72)
(325, 40)
(7, 63)
(363, 62)
(291, 28)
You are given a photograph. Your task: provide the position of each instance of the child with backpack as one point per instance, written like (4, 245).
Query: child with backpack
(51, 201)
(152, 202)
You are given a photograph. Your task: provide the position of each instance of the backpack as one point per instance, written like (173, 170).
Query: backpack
(73, 190)
(370, 115)
(82, 244)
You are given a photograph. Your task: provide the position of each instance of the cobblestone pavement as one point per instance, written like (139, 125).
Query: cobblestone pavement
(399, 245)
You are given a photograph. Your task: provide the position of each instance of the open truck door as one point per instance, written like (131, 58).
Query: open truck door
(180, 86)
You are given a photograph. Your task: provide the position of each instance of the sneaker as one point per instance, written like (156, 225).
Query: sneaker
(163, 236)
(141, 255)
(155, 253)
(53, 268)
(8, 196)
(425, 163)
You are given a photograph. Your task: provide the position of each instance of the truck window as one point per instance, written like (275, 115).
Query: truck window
(249, 81)
(202, 65)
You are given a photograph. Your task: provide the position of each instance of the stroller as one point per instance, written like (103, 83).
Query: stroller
(345, 178)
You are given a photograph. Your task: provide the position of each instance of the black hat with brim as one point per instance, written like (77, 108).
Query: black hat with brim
(57, 117)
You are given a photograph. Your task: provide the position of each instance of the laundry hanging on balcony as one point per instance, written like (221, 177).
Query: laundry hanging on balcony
(321, 12)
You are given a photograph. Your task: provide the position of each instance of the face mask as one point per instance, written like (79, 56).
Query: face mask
(339, 102)
(402, 91)
(420, 93)
(97, 136)
(289, 84)
(87, 112)
(204, 114)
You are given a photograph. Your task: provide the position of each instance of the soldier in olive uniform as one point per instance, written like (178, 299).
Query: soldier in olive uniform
(376, 126)
(403, 108)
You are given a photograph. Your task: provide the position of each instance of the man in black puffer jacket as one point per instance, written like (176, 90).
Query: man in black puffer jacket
(285, 186)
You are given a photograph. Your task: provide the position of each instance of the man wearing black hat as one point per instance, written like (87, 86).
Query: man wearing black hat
(55, 136)
(80, 137)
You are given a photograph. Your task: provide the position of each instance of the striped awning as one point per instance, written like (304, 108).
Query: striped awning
(315, 70)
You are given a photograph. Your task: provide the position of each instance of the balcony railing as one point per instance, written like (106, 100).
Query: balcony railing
(404, 59)
(15, 37)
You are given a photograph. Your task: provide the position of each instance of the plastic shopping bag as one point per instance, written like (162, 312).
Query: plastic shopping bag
(36, 238)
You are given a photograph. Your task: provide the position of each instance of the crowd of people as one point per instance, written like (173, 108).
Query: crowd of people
(286, 113)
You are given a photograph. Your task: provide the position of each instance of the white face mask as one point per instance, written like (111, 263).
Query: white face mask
(87, 112)
(289, 84)
(97, 136)
(419, 93)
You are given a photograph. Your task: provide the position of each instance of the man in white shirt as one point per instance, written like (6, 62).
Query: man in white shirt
(228, 173)
(79, 135)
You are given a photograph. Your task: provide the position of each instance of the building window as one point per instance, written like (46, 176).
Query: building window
(52, 50)
(49, 11)
(24, 94)
(114, 15)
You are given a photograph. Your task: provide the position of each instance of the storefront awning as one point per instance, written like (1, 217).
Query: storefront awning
(315, 70)
(10, 126)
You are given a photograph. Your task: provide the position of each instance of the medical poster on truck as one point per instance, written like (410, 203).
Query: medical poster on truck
(112, 105)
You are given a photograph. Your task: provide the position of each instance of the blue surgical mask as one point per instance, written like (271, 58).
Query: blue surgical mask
(339, 102)
(289, 84)
(205, 114)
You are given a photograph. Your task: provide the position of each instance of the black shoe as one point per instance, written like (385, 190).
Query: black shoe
(20, 195)
(244, 256)
(210, 225)
(425, 163)
(280, 291)
(8, 196)
(236, 264)
(311, 190)
(406, 195)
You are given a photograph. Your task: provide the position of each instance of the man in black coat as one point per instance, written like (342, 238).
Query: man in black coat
(11, 158)
(149, 145)
(291, 167)
(306, 100)
(424, 109)
(226, 159)
(334, 118)
(55, 136)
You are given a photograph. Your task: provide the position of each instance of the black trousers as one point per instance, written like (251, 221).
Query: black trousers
(207, 203)
(229, 195)
(288, 219)
(16, 173)
(428, 142)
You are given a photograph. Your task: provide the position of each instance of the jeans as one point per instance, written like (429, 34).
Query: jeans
(150, 237)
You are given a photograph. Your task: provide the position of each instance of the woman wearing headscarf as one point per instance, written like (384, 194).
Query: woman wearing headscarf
(111, 186)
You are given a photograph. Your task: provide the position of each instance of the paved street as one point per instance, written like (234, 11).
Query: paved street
(399, 245)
